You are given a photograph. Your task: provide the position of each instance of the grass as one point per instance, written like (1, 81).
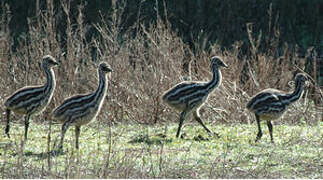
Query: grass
(141, 151)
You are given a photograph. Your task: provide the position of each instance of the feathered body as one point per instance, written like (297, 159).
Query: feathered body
(189, 96)
(32, 100)
(271, 104)
(82, 109)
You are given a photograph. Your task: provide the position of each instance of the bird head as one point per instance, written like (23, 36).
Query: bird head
(216, 61)
(104, 67)
(49, 61)
(300, 78)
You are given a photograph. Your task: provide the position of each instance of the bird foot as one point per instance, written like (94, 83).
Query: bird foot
(259, 135)
(56, 152)
(7, 132)
(183, 136)
(215, 135)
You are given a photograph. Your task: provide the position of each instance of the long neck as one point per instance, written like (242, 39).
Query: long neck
(101, 90)
(216, 79)
(294, 96)
(50, 83)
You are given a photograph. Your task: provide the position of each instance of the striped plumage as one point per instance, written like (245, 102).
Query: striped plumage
(189, 96)
(81, 109)
(271, 104)
(32, 99)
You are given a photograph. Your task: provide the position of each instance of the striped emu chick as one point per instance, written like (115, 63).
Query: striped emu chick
(82, 109)
(271, 104)
(32, 99)
(189, 96)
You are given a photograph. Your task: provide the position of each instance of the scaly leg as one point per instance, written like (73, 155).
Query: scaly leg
(270, 128)
(8, 125)
(181, 120)
(198, 119)
(26, 125)
(259, 128)
(65, 126)
(77, 135)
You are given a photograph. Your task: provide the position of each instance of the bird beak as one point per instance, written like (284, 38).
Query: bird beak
(308, 83)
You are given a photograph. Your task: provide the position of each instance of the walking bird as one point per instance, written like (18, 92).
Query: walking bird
(31, 100)
(189, 96)
(271, 104)
(82, 109)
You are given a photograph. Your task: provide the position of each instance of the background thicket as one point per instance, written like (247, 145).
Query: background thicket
(200, 24)
(211, 21)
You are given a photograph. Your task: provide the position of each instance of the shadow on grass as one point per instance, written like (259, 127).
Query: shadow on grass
(44, 155)
(200, 138)
(5, 145)
(157, 139)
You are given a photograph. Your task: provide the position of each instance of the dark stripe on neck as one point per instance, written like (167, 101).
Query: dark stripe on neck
(290, 98)
(50, 84)
(215, 81)
(102, 86)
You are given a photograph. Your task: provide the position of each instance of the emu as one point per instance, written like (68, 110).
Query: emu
(82, 109)
(32, 100)
(189, 96)
(271, 104)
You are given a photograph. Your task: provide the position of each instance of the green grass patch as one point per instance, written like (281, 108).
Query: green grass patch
(140, 151)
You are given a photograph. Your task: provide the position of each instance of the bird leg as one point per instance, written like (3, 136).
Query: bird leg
(26, 126)
(8, 125)
(181, 120)
(77, 134)
(270, 128)
(65, 126)
(198, 119)
(259, 128)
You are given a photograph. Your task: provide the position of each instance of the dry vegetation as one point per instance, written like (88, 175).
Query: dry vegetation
(145, 65)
